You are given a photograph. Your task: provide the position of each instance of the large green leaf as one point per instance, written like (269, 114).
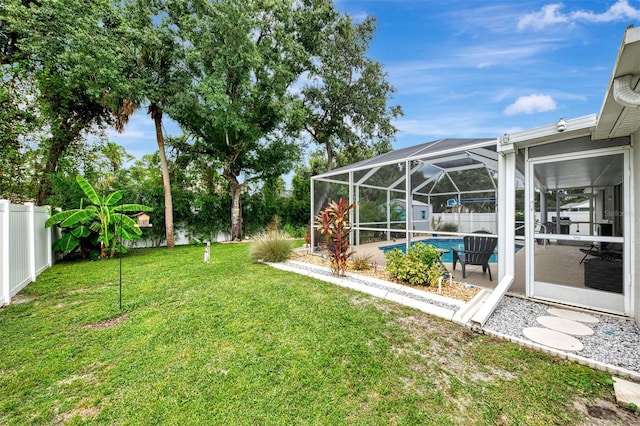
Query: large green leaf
(113, 198)
(81, 231)
(127, 234)
(126, 226)
(95, 227)
(67, 243)
(69, 218)
(126, 221)
(133, 208)
(91, 193)
(58, 217)
(131, 233)
(134, 237)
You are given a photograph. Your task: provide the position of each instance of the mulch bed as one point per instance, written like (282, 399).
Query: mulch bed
(455, 290)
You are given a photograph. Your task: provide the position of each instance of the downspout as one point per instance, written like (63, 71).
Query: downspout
(624, 94)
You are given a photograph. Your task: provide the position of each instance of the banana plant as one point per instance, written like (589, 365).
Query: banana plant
(104, 220)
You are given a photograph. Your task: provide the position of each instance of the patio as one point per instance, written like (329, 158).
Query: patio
(570, 272)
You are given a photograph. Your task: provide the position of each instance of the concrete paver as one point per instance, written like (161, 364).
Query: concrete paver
(572, 315)
(627, 393)
(564, 325)
(553, 339)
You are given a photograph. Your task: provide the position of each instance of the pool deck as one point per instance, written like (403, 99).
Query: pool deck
(475, 276)
(547, 266)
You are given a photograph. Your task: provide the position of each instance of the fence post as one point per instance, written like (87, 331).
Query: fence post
(5, 290)
(49, 239)
(32, 240)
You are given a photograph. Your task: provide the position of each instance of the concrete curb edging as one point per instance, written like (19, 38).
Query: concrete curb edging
(376, 292)
(391, 286)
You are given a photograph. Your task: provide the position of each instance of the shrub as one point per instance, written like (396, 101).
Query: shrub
(438, 225)
(271, 246)
(334, 223)
(294, 231)
(418, 267)
(361, 263)
(448, 227)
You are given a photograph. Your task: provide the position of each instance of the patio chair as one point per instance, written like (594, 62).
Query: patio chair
(546, 228)
(477, 251)
(606, 251)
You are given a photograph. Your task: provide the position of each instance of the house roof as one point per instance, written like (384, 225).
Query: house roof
(414, 203)
(615, 118)
(443, 153)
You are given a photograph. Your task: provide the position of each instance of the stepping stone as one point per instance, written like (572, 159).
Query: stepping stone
(553, 339)
(573, 315)
(564, 325)
(627, 393)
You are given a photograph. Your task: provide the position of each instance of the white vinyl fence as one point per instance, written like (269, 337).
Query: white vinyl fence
(471, 222)
(25, 246)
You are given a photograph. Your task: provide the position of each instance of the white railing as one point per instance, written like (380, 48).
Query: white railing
(25, 246)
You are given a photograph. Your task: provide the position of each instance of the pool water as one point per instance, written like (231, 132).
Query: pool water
(442, 243)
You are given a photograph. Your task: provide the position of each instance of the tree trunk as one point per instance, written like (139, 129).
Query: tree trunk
(156, 114)
(56, 149)
(322, 199)
(236, 206)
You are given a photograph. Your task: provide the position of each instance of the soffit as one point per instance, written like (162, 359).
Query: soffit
(581, 172)
(616, 120)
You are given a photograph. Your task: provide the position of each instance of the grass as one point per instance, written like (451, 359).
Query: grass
(233, 342)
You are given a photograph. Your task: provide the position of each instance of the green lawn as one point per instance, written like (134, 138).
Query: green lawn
(232, 342)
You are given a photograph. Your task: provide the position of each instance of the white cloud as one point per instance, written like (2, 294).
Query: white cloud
(531, 104)
(551, 14)
(618, 12)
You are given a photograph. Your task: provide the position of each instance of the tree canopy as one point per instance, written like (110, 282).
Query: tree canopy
(346, 96)
(245, 80)
(72, 53)
(244, 57)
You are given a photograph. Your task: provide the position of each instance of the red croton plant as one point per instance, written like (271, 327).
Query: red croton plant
(334, 223)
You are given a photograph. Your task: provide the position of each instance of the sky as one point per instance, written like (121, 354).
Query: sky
(478, 68)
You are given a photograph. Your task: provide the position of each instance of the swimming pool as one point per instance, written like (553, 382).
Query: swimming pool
(442, 243)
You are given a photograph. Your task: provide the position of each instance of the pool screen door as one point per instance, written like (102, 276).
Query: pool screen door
(576, 251)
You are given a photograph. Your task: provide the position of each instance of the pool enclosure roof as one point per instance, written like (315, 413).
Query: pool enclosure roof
(446, 154)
